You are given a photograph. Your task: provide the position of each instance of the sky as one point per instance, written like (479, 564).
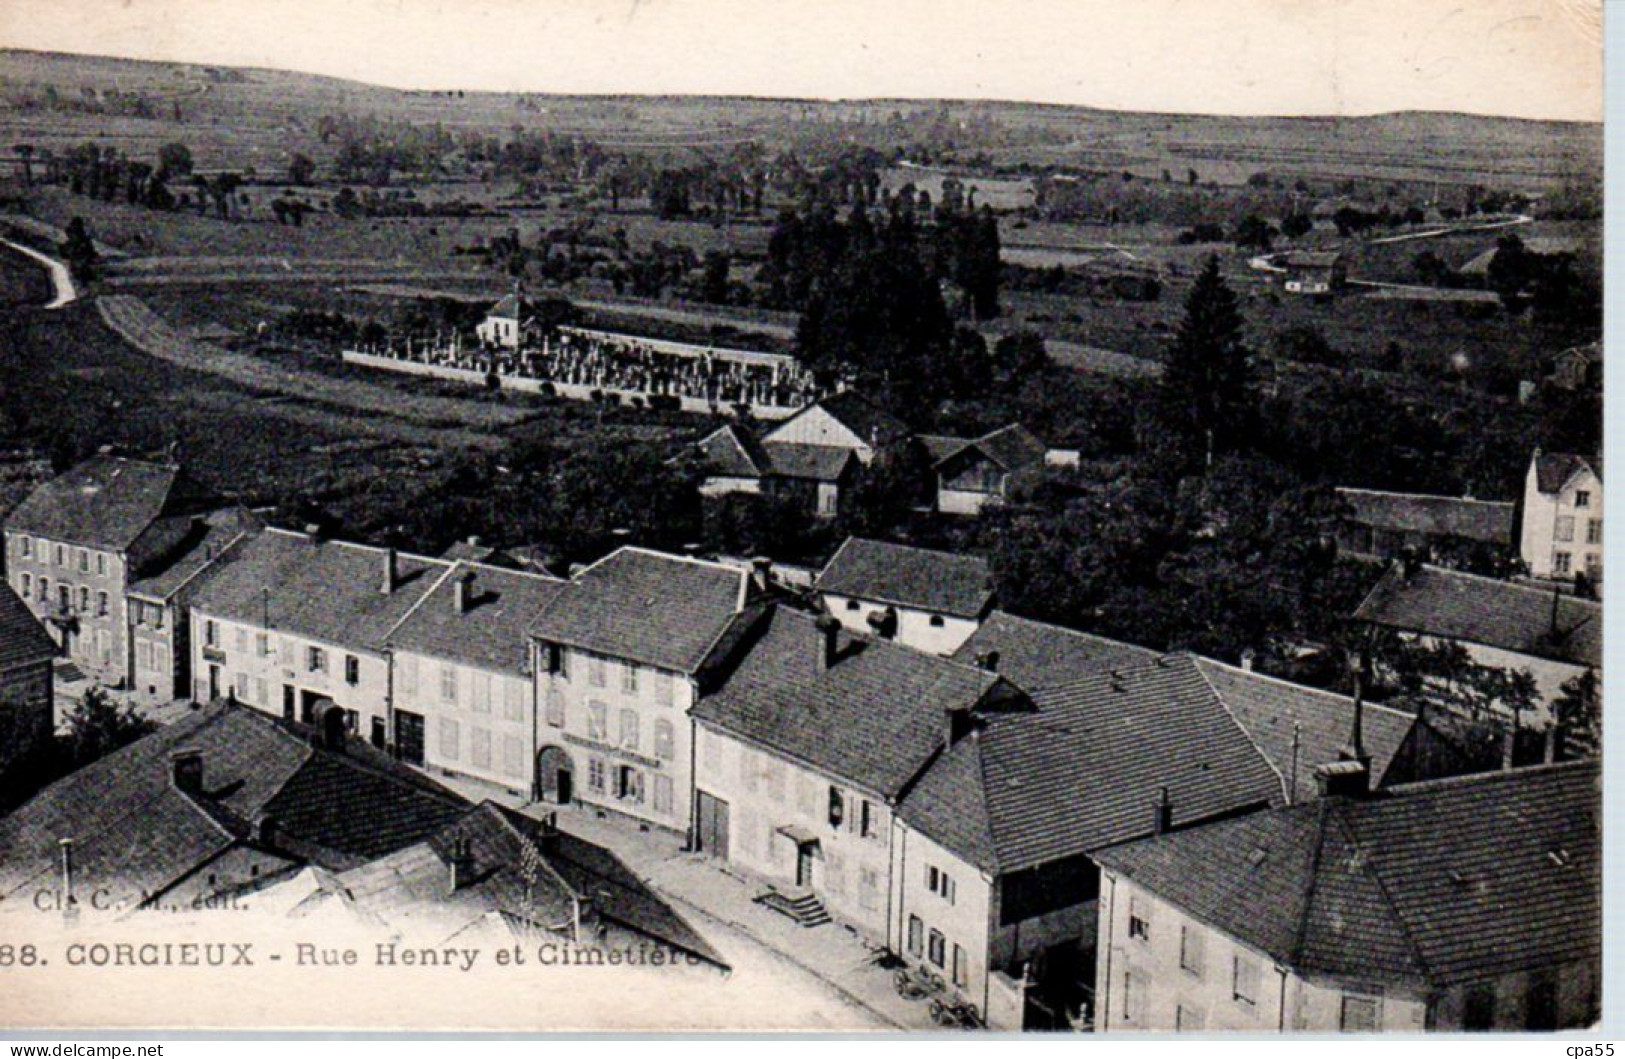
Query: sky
(1521, 58)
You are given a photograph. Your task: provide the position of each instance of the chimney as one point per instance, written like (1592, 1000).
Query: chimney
(830, 627)
(313, 530)
(988, 660)
(1345, 779)
(186, 771)
(1162, 818)
(1248, 659)
(265, 831)
(392, 563)
(884, 622)
(475, 541)
(761, 572)
(1410, 564)
(70, 904)
(461, 865)
(462, 591)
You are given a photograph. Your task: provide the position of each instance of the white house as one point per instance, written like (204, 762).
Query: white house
(507, 322)
(843, 421)
(929, 600)
(1562, 516)
(1464, 904)
(621, 654)
(462, 673)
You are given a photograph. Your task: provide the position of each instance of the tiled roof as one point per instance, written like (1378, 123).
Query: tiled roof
(1438, 516)
(661, 610)
(940, 446)
(198, 541)
(134, 832)
(821, 463)
(1554, 469)
(1428, 885)
(1086, 770)
(1274, 711)
(961, 585)
(493, 632)
(510, 308)
(322, 589)
(1456, 606)
(22, 638)
(1037, 655)
(869, 421)
(1012, 447)
(872, 719)
(731, 451)
(106, 502)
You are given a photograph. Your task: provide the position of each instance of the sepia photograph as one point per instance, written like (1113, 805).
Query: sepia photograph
(1059, 517)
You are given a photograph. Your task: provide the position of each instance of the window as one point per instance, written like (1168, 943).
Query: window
(27, 544)
(101, 565)
(916, 935)
(1244, 980)
(629, 784)
(629, 679)
(409, 676)
(240, 687)
(1130, 995)
(479, 747)
(663, 794)
(555, 707)
(262, 644)
(1187, 1019)
(940, 883)
(259, 682)
(851, 604)
(869, 888)
(482, 692)
(448, 684)
(596, 675)
(936, 621)
(513, 700)
(595, 774)
(629, 729)
(1582, 498)
(665, 688)
(1359, 1014)
(448, 739)
(513, 756)
(352, 669)
(1565, 528)
(84, 600)
(211, 634)
(1139, 921)
(157, 616)
(28, 586)
(663, 740)
(315, 660)
(1560, 562)
(101, 604)
(597, 721)
(64, 597)
(61, 556)
(961, 971)
(44, 589)
(84, 561)
(837, 808)
(1594, 531)
(936, 948)
(866, 819)
(1192, 949)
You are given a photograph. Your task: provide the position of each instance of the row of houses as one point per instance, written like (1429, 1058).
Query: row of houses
(941, 776)
(813, 458)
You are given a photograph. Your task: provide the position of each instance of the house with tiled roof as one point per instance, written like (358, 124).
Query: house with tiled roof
(27, 704)
(980, 471)
(806, 749)
(499, 876)
(930, 600)
(846, 420)
(78, 541)
(463, 675)
(1471, 903)
(289, 621)
(223, 799)
(1384, 525)
(622, 654)
(1561, 533)
(816, 477)
(1518, 627)
(159, 600)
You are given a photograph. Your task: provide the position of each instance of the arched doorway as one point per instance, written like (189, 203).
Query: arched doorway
(554, 775)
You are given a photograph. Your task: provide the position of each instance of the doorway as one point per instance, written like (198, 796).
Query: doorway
(804, 865)
(711, 832)
(554, 775)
